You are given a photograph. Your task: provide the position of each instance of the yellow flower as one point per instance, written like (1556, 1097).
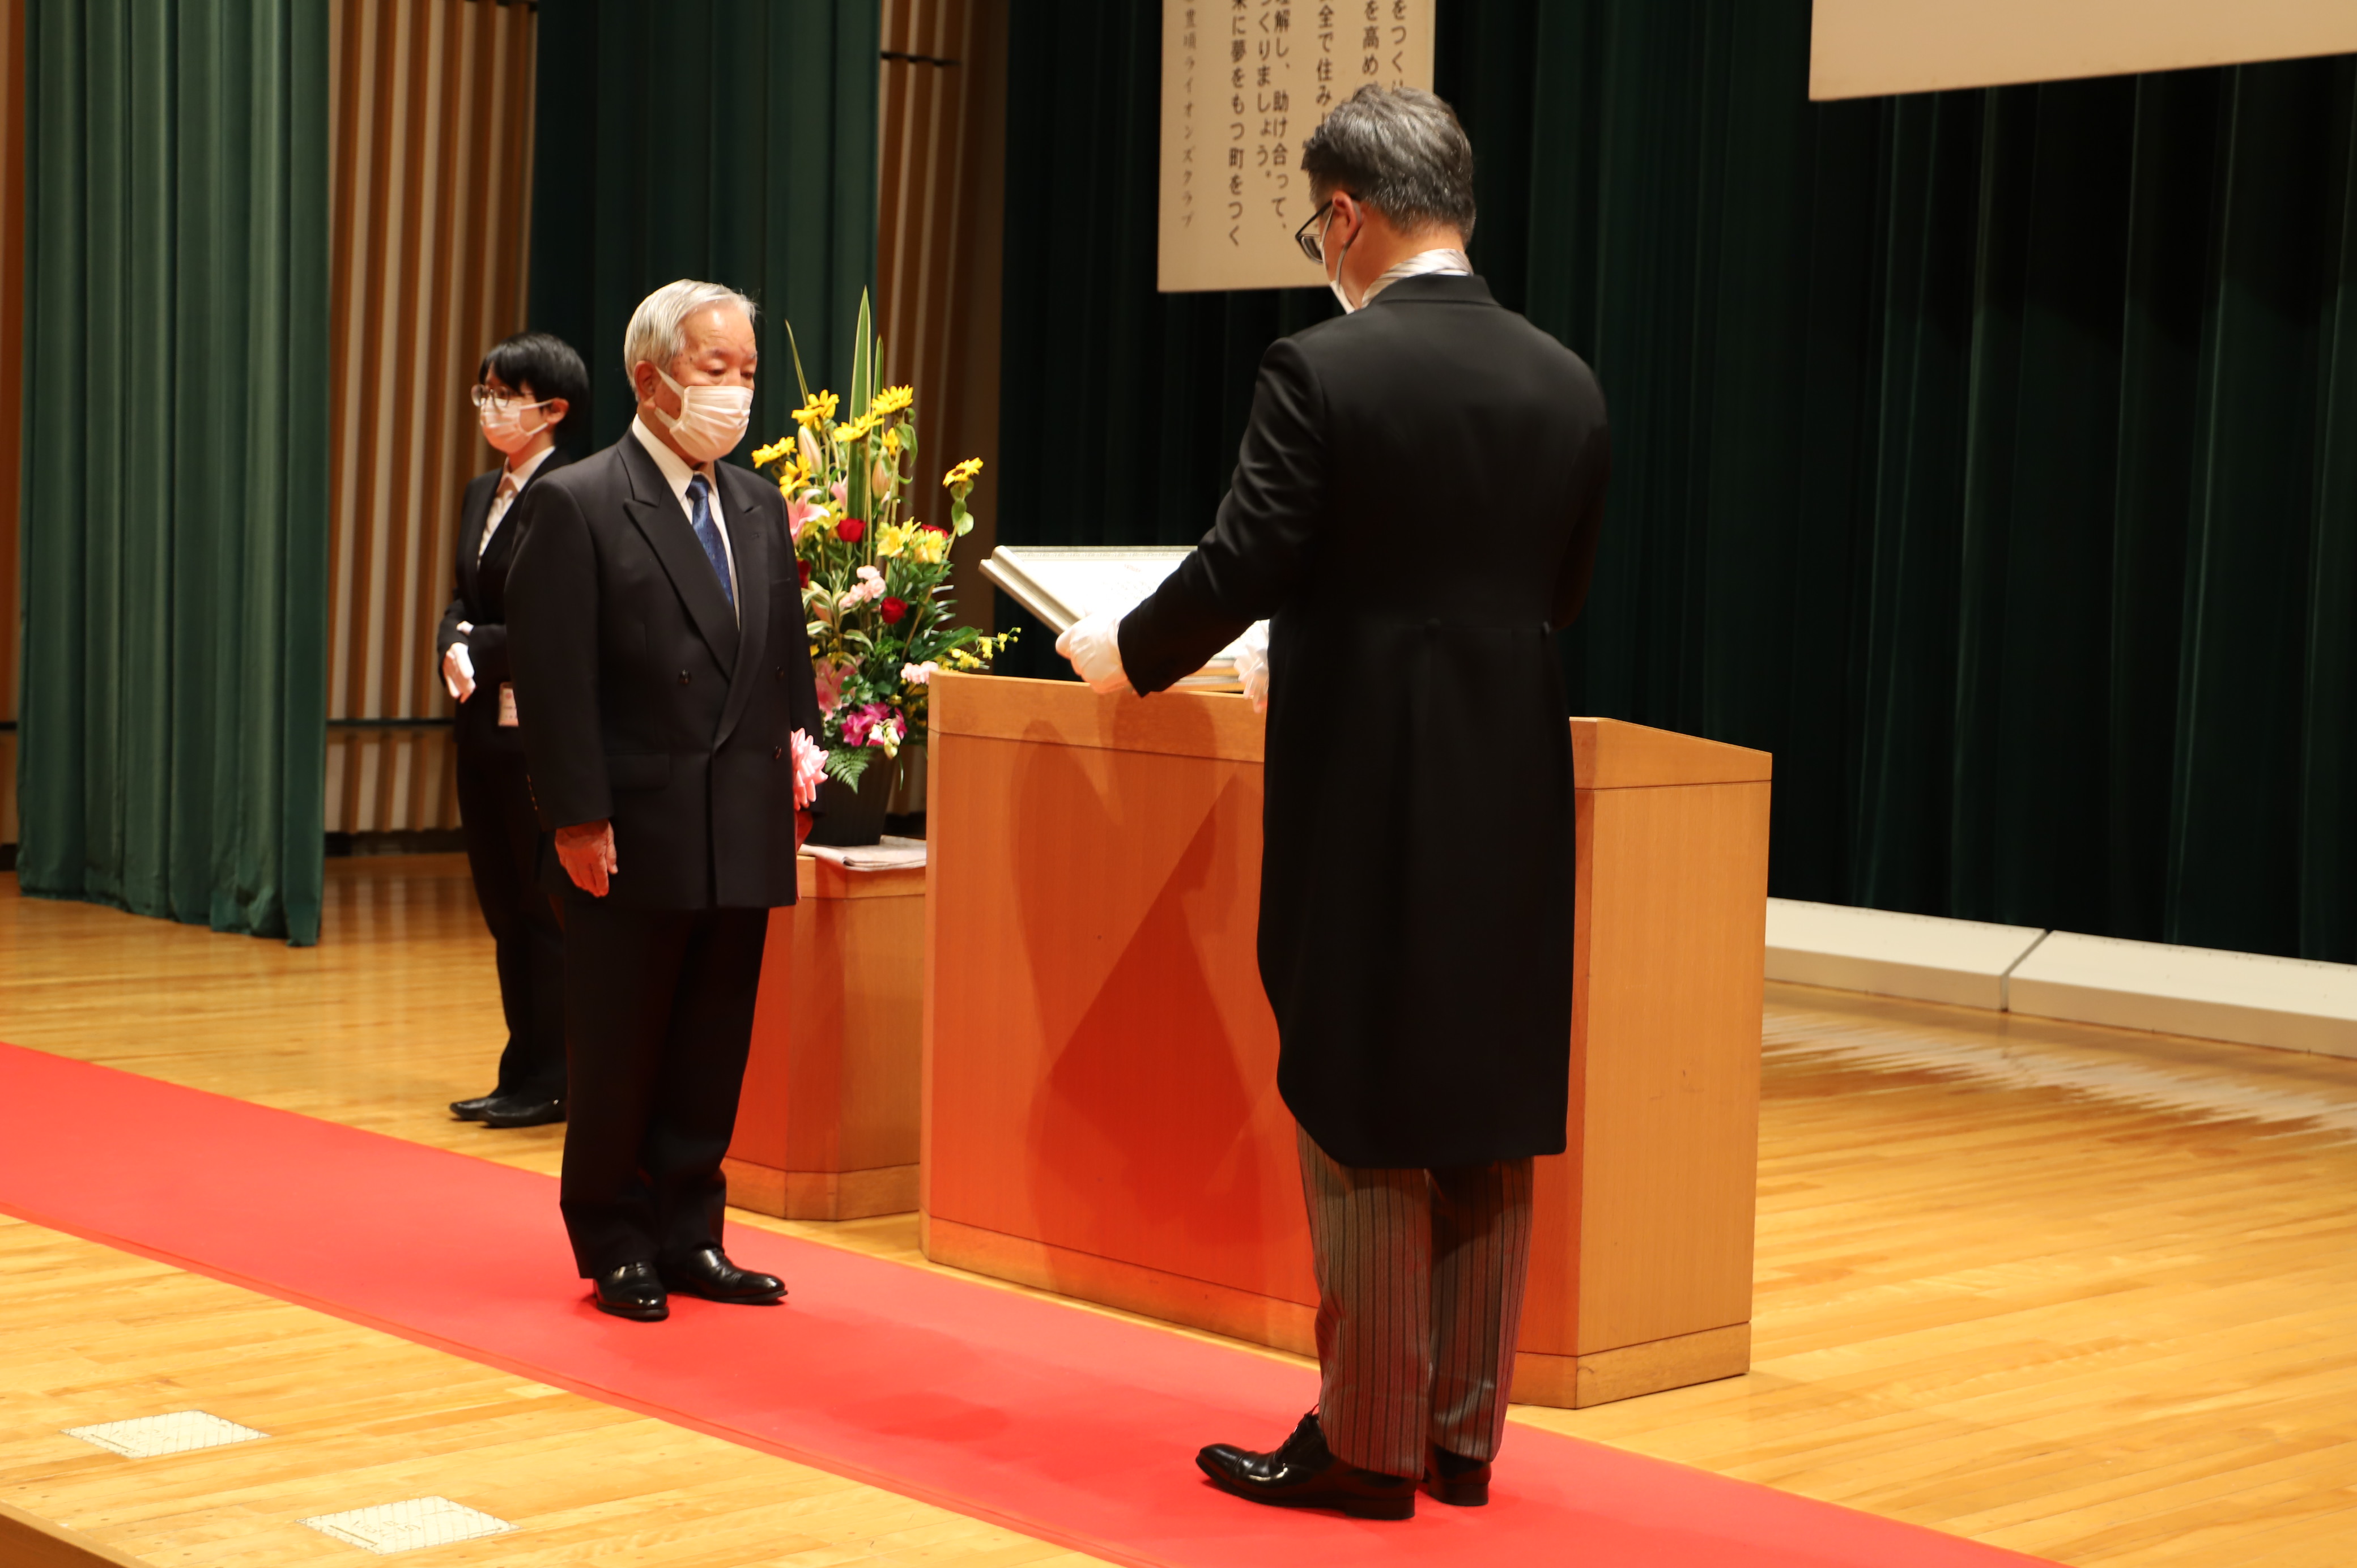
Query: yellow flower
(857, 430)
(815, 411)
(891, 441)
(891, 539)
(765, 456)
(963, 474)
(891, 401)
(928, 545)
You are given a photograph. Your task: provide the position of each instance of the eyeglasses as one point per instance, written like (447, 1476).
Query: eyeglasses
(1314, 245)
(501, 402)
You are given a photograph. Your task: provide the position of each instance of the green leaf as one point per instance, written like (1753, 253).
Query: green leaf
(796, 351)
(846, 764)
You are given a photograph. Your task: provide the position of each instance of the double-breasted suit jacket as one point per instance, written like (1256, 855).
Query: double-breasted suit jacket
(1415, 508)
(644, 699)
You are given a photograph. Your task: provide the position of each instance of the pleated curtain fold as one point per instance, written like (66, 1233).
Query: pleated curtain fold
(175, 505)
(1989, 457)
(728, 140)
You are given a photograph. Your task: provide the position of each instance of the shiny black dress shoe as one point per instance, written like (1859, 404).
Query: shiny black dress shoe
(1460, 1482)
(472, 1110)
(710, 1274)
(1304, 1474)
(633, 1291)
(520, 1111)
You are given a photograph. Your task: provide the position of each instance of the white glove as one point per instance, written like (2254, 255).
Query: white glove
(1094, 644)
(1252, 664)
(459, 671)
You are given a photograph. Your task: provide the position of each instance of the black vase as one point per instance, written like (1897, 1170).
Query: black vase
(848, 817)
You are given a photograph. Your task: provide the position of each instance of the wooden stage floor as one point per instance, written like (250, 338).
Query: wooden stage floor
(2084, 1293)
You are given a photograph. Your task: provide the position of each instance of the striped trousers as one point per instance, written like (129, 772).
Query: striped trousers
(1420, 1277)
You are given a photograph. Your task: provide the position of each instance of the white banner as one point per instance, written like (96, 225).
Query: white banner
(1866, 47)
(1243, 83)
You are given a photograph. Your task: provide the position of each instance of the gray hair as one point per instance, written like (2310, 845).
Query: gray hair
(658, 328)
(1401, 151)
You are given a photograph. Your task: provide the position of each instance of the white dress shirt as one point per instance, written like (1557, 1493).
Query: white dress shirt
(676, 473)
(513, 480)
(1445, 261)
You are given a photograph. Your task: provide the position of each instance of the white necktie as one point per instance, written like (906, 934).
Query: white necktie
(499, 504)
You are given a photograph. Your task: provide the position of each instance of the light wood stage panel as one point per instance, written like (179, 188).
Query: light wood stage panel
(1102, 1115)
(2084, 1293)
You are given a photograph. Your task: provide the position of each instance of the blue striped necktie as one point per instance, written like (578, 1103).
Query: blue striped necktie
(708, 534)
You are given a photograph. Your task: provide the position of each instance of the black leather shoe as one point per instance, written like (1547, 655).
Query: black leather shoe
(517, 1110)
(710, 1274)
(472, 1110)
(1460, 1482)
(1304, 1474)
(633, 1291)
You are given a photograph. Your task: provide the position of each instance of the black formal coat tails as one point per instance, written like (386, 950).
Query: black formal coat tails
(643, 699)
(1415, 508)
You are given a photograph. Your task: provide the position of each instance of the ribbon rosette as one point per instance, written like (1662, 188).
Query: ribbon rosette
(809, 767)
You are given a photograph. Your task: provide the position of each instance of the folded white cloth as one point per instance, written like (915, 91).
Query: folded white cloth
(1094, 644)
(1252, 664)
(459, 673)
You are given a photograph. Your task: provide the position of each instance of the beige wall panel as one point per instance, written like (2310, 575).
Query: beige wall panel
(431, 166)
(941, 167)
(1864, 47)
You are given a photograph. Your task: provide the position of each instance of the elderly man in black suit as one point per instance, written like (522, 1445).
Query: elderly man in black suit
(663, 673)
(526, 391)
(1416, 505)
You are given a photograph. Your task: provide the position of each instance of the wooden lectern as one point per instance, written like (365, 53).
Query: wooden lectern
(1100, 1116)
(826, 1128)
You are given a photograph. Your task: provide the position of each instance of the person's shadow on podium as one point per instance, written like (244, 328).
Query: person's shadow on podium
(1139, 910)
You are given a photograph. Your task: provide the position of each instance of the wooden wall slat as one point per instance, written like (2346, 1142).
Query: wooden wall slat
(433, 126)
(941, 167)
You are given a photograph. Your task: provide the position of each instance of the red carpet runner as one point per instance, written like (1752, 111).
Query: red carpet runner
(1060, 1423)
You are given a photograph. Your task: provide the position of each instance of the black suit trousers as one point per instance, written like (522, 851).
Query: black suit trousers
(503, 845)
(658, 1019)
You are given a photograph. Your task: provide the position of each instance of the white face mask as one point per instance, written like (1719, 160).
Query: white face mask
(503, 426)
(711, 420)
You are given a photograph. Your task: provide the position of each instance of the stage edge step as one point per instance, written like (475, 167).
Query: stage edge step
(2249, 998)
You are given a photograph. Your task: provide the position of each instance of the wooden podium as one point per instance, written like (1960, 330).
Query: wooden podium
(827, 1125)
(1100, 1116)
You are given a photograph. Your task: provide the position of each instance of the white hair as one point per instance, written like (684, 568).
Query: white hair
(658, 327)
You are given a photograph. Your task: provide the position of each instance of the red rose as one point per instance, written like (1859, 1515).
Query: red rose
(850, 530)
(935, 527)
(892, 610)
(806, 567)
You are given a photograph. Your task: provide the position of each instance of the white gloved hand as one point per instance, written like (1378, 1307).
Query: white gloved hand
(459, 673)
(1094, 644)
(1252, 664)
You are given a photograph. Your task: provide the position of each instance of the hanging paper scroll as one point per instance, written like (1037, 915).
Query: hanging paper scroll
(1243, 83)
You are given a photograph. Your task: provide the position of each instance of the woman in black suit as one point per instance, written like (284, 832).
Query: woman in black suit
(526, 391)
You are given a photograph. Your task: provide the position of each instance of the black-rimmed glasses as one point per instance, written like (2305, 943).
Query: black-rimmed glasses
(482, 396)
(1313, 245)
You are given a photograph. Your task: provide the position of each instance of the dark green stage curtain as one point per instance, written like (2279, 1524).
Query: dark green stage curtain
(1989, 457)
(175, 459)
(728, 140)
(1120, 408)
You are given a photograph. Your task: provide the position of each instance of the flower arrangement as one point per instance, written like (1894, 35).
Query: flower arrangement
(875, 581)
